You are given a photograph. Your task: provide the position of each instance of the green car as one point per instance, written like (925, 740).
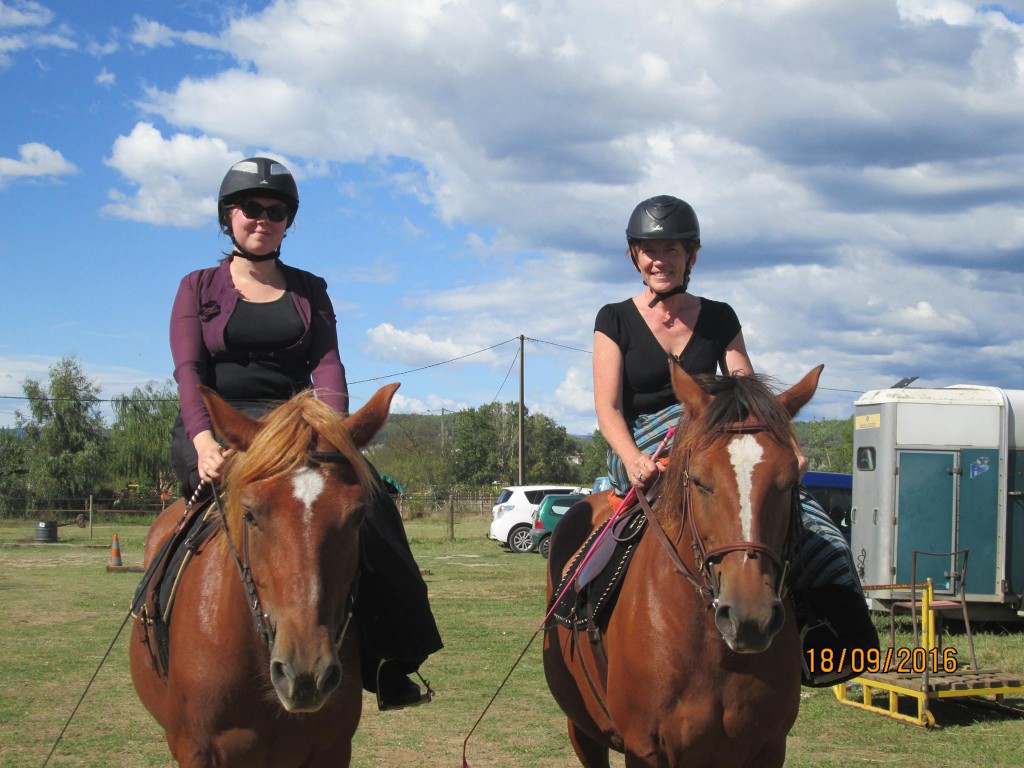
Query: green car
(547, 516)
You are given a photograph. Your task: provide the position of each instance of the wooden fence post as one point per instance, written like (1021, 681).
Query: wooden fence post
(451, 517)
(90, 517)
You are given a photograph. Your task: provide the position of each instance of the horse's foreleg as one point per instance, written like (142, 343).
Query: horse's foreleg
(772, 756)
(590, 753)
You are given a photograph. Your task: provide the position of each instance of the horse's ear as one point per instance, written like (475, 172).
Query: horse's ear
(235, 427)
(797, 396)
(688, 391)
(368, 420)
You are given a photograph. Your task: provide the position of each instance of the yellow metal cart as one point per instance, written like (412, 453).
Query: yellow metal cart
(926, 671)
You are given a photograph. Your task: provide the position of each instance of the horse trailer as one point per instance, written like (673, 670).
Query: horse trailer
(941, 470)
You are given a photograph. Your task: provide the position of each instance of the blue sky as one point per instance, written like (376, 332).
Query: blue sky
(467, 167)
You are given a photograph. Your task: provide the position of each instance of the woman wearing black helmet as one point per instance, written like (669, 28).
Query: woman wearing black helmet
(636, 406)
(632, 390)
(257, 331)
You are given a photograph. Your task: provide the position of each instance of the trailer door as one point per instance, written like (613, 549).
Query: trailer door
(925, 514)
(978, 526)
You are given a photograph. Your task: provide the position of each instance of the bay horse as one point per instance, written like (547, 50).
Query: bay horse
(263, 670)
(699, 663)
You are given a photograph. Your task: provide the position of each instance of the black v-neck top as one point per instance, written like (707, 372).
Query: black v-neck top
(646, 381)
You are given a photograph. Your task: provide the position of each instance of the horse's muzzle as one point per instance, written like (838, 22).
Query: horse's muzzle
(304, 691)
(746, 631)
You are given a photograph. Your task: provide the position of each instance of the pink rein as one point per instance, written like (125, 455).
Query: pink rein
(625, 504)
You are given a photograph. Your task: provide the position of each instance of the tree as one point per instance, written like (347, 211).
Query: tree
(140, 438)
(485, 447)
(827, 443)
(65, 433)
(595, 457)
(411, 448)
(13, 488)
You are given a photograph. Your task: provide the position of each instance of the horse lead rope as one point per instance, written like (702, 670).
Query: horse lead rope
(625, 504)
(86, 691)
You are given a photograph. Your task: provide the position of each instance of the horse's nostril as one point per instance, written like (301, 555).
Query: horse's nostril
(330, 679)
(723, 620)
(279, 672)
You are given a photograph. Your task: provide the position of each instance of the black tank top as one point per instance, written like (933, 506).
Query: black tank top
(263, 361)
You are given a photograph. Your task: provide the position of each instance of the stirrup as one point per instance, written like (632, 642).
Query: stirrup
(425, 697)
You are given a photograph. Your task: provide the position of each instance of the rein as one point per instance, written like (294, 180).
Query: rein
(701, 576)
(261, 621)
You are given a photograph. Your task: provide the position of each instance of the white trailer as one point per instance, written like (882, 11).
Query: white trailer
(940, 470)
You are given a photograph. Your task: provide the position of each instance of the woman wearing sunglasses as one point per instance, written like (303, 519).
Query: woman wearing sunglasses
(257, 331)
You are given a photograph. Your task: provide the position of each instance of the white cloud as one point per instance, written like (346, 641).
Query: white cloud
(24, 14)
(171, 176)
(34, 161)
(420, 349)
(105, 78)
(153, 34)
(22, 24)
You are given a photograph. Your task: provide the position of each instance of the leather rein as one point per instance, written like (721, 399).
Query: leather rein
(701, 575)
(261, 621)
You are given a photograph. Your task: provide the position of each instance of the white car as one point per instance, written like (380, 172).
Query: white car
(512, 516)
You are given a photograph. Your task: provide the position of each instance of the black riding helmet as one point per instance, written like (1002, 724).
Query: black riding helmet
(664, 218)
(257, 177)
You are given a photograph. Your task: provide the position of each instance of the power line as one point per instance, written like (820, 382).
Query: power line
(433, 365)
(516, 357)
(563, 346)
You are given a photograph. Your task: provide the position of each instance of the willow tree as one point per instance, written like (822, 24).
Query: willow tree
(140, 438)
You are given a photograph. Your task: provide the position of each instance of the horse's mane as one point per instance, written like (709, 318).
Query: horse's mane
(285, 443)
(736, 399)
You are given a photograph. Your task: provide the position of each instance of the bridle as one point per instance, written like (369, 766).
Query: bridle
(701, 575)
(261, 621)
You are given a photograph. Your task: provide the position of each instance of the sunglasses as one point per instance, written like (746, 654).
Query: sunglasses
(253, 210)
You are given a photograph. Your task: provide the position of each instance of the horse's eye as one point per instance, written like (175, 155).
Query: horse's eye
(701, 486)
(249, 518)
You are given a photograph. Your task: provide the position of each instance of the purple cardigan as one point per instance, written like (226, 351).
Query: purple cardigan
(204, 304)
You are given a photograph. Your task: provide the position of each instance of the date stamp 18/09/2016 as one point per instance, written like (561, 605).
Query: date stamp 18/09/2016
(915, 661)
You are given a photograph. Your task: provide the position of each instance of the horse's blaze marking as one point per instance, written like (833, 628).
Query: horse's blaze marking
(307, 485)
(745, 453)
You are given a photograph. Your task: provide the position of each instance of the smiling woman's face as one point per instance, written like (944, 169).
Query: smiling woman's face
(663, 263)
(258, 236)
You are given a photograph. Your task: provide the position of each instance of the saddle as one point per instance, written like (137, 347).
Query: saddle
(582, 604)
(154, 597)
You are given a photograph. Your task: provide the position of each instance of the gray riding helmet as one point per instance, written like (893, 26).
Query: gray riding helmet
(663, 218)
(258, 177)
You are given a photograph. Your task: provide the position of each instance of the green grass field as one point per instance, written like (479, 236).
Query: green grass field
(60, 609)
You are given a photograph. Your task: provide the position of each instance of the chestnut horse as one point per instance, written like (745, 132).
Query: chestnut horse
(263, 671)
(699, 663)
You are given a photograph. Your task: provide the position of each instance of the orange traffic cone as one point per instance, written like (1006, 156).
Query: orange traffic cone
(115, 552)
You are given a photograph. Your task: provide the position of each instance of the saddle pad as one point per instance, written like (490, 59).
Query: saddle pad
(579, 607)
(823, 557)
(154, 597)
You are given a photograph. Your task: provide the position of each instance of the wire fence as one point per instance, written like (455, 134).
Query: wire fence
(68, 510)
(62, 510)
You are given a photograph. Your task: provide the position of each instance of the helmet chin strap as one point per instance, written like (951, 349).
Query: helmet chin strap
(672, 292)
(274, 254)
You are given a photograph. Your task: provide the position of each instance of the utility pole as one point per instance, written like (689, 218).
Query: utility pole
(522, 419)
